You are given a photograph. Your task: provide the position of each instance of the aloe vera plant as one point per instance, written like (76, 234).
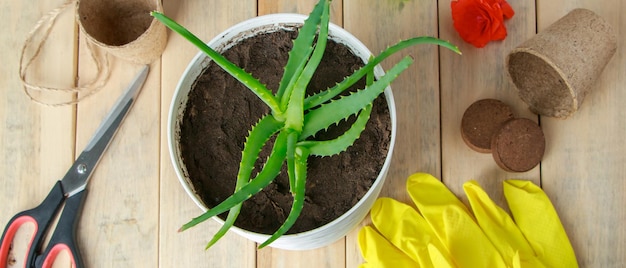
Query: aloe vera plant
(295, 118)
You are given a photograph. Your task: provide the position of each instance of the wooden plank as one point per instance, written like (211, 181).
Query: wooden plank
(334, 254)
(36, 141)
(300, 7)
(416, 91)
(206, 19)
(119, 225)
(478, 74)
(584, 170)
(329, 256)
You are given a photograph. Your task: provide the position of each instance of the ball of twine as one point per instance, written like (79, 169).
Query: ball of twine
(123, 29)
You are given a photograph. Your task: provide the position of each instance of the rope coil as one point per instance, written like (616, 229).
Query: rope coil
(44, 26)
(142, 49)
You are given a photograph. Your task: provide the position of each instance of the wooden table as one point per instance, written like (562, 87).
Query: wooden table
(135, 203)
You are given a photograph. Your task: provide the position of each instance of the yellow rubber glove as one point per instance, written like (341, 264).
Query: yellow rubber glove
(446, 234)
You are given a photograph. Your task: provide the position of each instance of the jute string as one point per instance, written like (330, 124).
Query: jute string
(44, 26)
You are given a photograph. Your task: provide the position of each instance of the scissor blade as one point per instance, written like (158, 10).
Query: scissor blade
(78, 175)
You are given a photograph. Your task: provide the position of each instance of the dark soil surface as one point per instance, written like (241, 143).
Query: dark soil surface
(221, 111)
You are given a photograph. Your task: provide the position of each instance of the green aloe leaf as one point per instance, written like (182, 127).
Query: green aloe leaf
(370, 76)
(341, 143)
(258, 136)
(244, 77)
(337, 110)
(324, 96)
(291, 159)
(295, 106)
(264, 178)
(233, 213)
(301, 49)
(301, 157)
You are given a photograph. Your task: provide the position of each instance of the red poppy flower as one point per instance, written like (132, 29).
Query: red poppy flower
(480, 21)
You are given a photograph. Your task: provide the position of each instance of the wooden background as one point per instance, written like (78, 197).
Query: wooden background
(135, 203)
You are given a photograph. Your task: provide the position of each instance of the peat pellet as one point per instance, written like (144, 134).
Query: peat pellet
(519, 145)
(481, 121)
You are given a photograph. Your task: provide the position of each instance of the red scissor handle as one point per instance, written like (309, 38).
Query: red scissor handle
(9, 234)
(41, 216)
(64, 236)
(54, 252)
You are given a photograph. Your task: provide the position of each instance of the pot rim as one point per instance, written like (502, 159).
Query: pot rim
(314, 238)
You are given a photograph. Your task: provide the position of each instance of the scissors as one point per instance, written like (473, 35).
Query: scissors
(71, 191)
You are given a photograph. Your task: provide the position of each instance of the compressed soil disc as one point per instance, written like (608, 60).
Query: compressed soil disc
(519, 145)
(481, 121)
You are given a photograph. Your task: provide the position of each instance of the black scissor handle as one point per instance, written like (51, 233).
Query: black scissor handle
(64, 236)
(41, 216)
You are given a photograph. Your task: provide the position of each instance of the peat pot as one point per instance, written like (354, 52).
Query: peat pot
(309, 239)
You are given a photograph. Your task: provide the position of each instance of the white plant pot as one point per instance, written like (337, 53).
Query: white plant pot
(324, 235)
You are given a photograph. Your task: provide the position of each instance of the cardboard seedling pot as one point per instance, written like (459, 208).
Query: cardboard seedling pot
(557, 68)
(125, 29)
